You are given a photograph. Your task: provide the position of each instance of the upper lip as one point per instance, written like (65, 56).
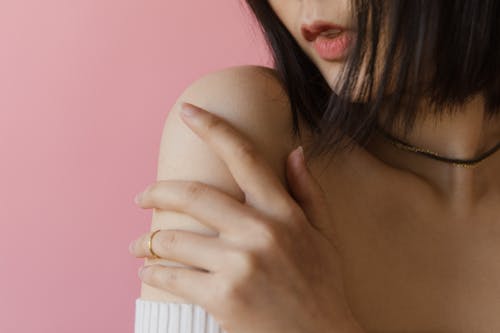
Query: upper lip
(310, 32)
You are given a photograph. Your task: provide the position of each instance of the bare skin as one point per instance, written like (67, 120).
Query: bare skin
(416, 256)
(420, 237)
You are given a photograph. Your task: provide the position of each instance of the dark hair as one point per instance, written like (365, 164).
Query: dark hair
(461, 37)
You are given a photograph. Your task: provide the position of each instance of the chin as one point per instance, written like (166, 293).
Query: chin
(331, 72)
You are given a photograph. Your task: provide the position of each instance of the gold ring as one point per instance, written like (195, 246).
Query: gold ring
(150, 245)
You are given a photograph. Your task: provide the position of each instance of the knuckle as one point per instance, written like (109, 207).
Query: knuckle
(287, 210)
(245, 260)
(247, 152)
(194, 190)
(290, 214)
(275, 238)
(267, 234)
(214, 123)
(169, 276)
(230, 292)
(169, 240)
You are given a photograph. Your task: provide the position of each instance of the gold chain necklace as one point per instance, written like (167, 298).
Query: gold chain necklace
(466, 163)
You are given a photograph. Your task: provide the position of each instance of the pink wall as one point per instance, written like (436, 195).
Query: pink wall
(84, 89)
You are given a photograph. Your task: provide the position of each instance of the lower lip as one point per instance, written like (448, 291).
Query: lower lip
(336, 48)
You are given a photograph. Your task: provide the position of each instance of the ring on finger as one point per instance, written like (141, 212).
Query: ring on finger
(150, 245)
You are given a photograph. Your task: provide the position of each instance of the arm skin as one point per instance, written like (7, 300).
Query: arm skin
(251, 99)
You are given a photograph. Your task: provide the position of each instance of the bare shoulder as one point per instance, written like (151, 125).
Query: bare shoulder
(251, 99)
(243, 91)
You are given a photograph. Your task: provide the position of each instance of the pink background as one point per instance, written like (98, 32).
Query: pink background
(85, 86)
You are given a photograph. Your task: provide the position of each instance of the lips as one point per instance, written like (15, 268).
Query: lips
(311, 32)
(330, 47)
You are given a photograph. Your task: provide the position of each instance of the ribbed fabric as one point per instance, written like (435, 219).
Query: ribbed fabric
(166, 317)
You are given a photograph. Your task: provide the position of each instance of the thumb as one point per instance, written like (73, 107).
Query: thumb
(306, 190)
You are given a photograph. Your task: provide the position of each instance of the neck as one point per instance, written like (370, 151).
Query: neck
(465, 134)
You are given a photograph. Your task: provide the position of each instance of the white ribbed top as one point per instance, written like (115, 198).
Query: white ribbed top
(166, 317)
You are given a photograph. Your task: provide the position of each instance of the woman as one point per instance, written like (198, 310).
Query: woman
(393, 225)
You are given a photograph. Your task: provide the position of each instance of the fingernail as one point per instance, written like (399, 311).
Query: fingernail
(302, 158)
(131, 247)
(137, 197)
(189, 110)
(301, 154)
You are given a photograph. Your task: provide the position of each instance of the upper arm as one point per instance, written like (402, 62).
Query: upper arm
(248, 97)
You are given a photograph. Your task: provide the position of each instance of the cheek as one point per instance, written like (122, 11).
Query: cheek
(281, 9)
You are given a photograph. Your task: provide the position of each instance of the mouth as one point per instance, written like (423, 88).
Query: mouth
(334, 48)
(331, 41)
(321, 28)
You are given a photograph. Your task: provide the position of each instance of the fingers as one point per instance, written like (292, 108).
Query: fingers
(263, 190)
(188, 283)
(307, 191)
(186, 247)
(209, 206)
